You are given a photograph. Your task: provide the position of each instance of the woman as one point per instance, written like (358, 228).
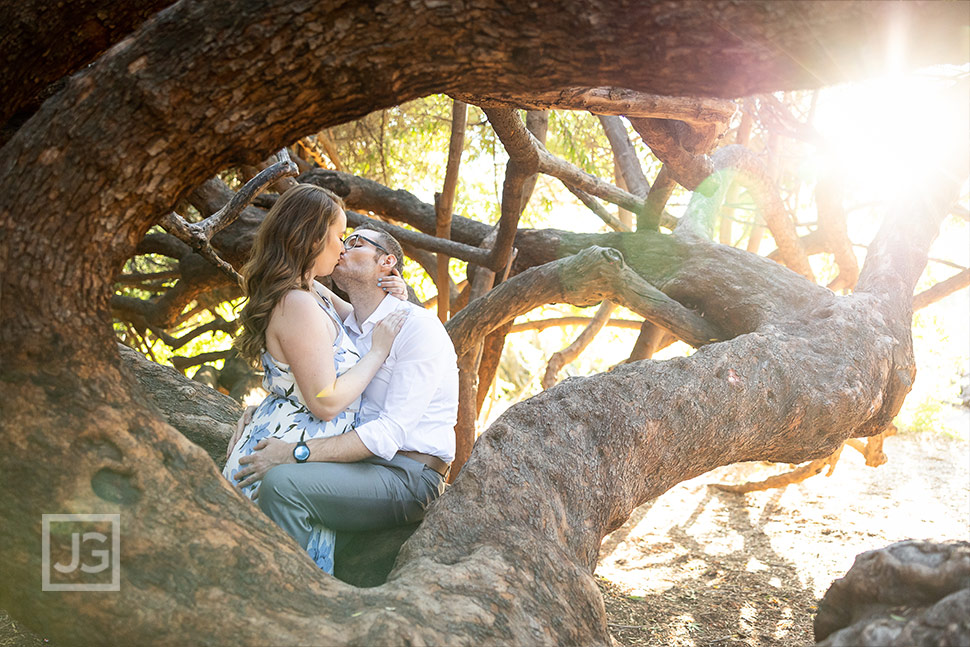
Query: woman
(293, 326)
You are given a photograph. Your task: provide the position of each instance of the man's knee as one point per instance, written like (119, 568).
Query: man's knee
(277, 489)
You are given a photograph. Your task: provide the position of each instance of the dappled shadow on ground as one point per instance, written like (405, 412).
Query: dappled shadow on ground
(738, 592)
(699, 566)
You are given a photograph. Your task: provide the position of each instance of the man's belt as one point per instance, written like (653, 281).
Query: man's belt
(433, 462)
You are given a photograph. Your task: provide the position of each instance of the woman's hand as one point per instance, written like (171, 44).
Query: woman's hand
(267, 454)
(245, 419)
(385, 332)
(394, 285)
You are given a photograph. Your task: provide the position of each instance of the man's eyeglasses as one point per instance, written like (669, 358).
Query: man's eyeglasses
(353, 240)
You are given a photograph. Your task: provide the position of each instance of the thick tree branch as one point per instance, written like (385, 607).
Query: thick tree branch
(587, 278)
(183, 363)
(225, 216)
(228, 327)
(737, 163)
(537, 549)
(651, 339)
(614, 101)
(362, 194)
(42, 44)
(422, 241)
(681, 149)
(178, 227)
(625, 155)
(198, 235)
(533, 157)
(832, 224)
(653, 209)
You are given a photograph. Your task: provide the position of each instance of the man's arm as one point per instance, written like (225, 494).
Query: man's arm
(345, 448)
(421, 363)
(270, 452)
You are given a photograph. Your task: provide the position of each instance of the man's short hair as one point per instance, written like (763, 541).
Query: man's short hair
(389, 243)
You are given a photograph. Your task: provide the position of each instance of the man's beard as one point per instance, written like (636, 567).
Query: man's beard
(338, 277)
(345, 278)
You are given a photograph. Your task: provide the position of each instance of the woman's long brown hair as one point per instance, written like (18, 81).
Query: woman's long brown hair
(286, 246)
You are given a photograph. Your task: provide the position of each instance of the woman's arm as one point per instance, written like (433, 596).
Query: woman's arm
(305, 336)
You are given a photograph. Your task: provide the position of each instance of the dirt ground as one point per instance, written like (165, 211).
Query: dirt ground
(701, 567)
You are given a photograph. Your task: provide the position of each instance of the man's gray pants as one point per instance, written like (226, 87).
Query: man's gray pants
(367, 495)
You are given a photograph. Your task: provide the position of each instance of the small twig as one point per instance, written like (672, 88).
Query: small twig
(618, 626)
(796, 475)
(560, 358)
(598, 209)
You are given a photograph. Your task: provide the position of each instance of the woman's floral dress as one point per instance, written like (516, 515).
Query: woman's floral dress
(283, 414)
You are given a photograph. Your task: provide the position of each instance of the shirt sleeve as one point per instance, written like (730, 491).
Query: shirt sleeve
(418, 370)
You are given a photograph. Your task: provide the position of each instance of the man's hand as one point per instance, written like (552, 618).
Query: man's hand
(247, 417)
(267, 454)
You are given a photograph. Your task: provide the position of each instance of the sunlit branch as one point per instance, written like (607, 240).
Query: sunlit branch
(614, 101)
(941, 290)
(444, 202)
(541, 324)
(560, 358)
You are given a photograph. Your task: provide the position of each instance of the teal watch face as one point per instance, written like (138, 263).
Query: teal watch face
(301, 452)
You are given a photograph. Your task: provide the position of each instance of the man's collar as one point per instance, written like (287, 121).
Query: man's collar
(384, 308)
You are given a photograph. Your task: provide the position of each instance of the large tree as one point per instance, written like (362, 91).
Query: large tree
(508, 553)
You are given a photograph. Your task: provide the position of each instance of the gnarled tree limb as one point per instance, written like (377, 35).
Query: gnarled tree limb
(586, 278)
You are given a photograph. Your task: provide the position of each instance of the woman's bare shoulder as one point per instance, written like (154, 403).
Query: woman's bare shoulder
(299, 314)
(300, 302)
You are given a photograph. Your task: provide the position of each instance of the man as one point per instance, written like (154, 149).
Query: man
(394, 463)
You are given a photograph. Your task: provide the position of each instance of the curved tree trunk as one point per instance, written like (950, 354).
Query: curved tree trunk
(507, 554)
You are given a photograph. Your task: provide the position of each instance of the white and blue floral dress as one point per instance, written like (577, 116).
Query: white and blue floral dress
(283, 414)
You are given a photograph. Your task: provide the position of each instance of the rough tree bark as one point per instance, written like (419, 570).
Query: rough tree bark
(44, 42)
(507, 554)
(909, 594)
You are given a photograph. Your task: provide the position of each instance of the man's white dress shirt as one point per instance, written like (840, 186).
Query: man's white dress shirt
(412, 402)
